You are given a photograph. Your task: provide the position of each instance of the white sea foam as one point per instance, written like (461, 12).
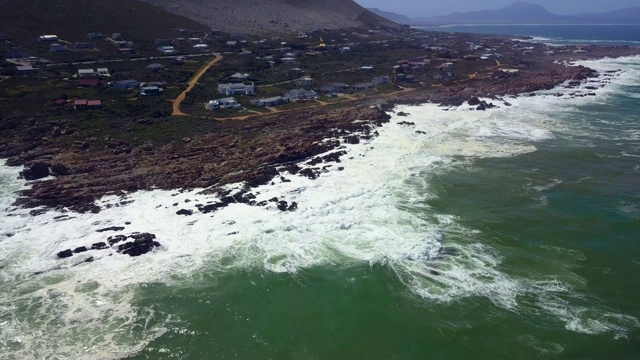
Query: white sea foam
(70, 308)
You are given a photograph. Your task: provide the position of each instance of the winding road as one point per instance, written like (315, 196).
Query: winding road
(194, 80)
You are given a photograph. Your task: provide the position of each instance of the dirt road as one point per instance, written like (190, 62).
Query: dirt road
(194, 80)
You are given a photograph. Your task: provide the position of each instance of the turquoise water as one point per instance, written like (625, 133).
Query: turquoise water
(510, 233)
(557, 34)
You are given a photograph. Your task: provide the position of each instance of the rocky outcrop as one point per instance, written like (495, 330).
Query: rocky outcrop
(141, 244)
(250, 153)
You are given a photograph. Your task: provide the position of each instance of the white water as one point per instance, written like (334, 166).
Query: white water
(374, 211)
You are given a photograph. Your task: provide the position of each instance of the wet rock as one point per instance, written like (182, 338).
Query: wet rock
(474, 101)
(142, 244)
(309, 173)
(282, 205)
(353, 139)
(407, 123)
(116, 239)
(184, 212)
(65, 254)
(99, 246)
(80, 249)
(112, 228)
(37, 170)
(402, 113)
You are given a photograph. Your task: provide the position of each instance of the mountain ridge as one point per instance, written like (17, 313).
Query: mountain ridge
(520, 12)
(275, 16)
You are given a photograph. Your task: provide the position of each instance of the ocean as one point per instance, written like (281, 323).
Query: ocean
(508, 233)
(603, 34)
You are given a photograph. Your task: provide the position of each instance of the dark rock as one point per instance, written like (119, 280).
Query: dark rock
(293, 206)
(407, 123)
(79, 250)
(353, 139)
(59, 169)
(309, 173)
(99, 246)
(184, 212)
(142, 244)
(402, 113)
(37, 170)
(282, 205)
(474, 101)
(65, 254)
(116, 239)
(112, 228)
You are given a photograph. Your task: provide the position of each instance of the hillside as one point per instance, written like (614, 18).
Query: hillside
(527, 13)
(23, 21)
(275, 16)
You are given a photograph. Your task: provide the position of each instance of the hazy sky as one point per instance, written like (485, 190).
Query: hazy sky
(414, 8)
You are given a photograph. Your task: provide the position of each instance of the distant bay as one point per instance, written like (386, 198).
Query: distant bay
(606, 34)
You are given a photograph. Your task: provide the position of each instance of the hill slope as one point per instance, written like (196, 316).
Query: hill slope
(274, 16)
(72, 19)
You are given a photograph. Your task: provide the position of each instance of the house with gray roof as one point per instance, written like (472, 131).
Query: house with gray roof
(301, 94)
(231, 89)
(272, 101)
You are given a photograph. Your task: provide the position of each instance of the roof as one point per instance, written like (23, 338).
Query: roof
(270, 99)
(86, 71)
(79, 102)
(155, 66)
(94, 102)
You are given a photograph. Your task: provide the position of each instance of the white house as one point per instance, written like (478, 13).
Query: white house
(301, 94)
(228, 102)
(272, 101)
(237, 88)
(85, 73)
(103, 72)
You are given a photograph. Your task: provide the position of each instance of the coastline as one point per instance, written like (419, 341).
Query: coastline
(251, 153)
(368, 225)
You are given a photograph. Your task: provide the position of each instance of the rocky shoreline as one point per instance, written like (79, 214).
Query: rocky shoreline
(252, 153)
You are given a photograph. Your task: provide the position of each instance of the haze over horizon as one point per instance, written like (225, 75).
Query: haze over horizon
(417, 8)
